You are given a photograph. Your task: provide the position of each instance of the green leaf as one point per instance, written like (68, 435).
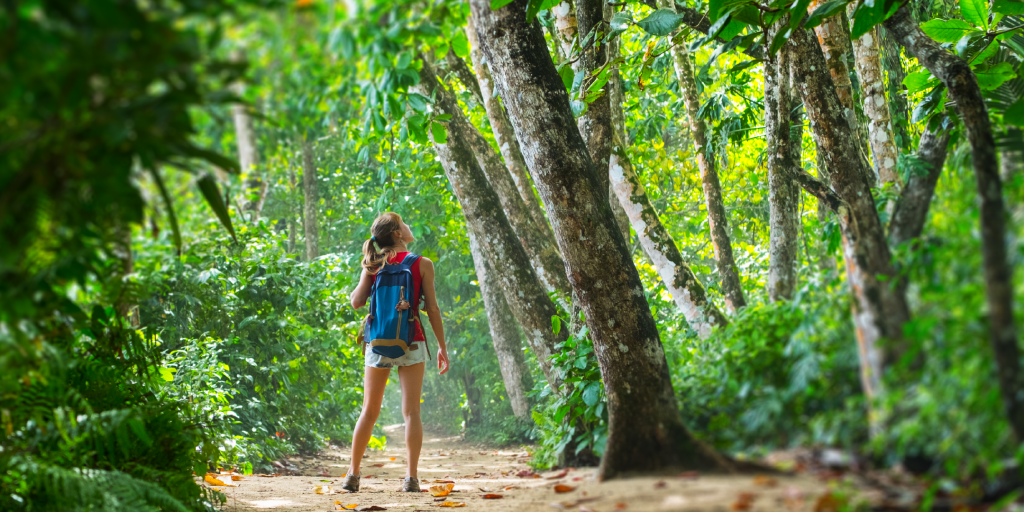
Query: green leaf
(947, 31)
(713, 32)
(1008, 7)
(919, 81)
(867, 17)
(532, 8)
(439, 132)
(591, 394)
(460, 44)
(995, 76)
(171, 217)
(779, 40)
(498, 4)
(211, 192)
(417, 101)
(556, 324)
(1015, 114)
(167, 373)
(824, 11)
(975, 12)
(548, 4)
(797, 13)
(404, 59)
(660, 23)
(567, 76)
(620, 22)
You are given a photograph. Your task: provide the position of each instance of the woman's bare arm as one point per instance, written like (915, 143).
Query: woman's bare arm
(433, 312)
(362, 291)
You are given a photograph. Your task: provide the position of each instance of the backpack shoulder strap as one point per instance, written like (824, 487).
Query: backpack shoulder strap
(410, 259)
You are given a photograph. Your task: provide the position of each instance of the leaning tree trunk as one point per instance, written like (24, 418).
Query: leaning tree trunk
(876, 107)
(616, 98)
(311, 208)
(783, 196)
(502, 129)
(717, 217)
(880, 310)
(255, 191)
(645, 431)
(485, 216)
(912, 209)
(504, 334)
(539, 243)
(679, 279)
(292, 182)
(962, 88)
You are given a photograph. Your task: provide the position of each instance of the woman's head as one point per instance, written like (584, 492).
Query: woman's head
(387, 233)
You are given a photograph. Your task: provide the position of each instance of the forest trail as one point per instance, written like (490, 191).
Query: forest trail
(476, 471)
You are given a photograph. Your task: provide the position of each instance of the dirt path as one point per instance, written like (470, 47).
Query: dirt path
(476, 472)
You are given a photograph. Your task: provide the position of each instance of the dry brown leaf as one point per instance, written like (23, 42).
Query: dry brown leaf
(765, 481)
(560, 488)
(377, 465)
(558, 475)
(620, 506)
(492, 496)
(743, 501)
(509, 488)
(451, 504)
(370, 507)
(659, 484)
(441, 490)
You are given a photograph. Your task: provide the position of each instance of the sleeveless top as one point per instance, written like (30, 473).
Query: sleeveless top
(417, 281)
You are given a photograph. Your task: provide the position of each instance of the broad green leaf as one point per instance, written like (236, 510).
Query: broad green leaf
(556, 324)
(567, 76)
(660, 23)
(867, 17)
(620, 22)
(460, 44)
(591, 394)
(532, 8)
(171, 217)
(919, 81)
(211, 192)
(971, 44)
(995, 76)
(417, 101)
(798, 12)
(404, 59)
(985, 54)
(975, 12)
(1015, 114)
(498, 4)
(713, 32)
(548, 4)
(780, 39)
(733, 29)
(1008, 7)
(167, 373)
(947, 31)
(823, 11)
(439, 132)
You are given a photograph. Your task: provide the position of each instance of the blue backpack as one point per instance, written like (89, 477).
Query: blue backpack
(389, 331)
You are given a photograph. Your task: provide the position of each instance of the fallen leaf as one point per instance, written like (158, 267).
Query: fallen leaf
(217, 489)
(325, 480)
(441, 490)
(526, 473)
(346, 507)
(828, 502)
(322, 489)
(620, 506)
(509, 488)
(444, 481)
(659, 484)
(451, 504)
(377, 465)
(392, 458)
(492, 496)
(211, 478)
(370, 507)
(237, 478)
(558, 475)
(743, 501)
(560, 488)
(765, 481)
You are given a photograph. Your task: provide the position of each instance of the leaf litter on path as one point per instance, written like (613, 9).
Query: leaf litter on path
(560, 488)
(441, 490)
(451, 504)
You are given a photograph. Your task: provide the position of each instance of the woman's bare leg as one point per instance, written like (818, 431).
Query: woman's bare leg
(374, 382)
(411, 378)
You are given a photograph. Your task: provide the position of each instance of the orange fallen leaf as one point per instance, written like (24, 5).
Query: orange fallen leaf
(451, 504)
(441, 490)
(509, 488)
(743, 501)
(620, 506)
(211, 478)
(560, 488)
(444, 481)
(492, 496)
(237, 478)
(765, 481)
(392, 458)
(345, 507)
(217, 489)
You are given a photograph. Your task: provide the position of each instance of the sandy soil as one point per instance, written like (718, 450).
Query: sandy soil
(476, 471)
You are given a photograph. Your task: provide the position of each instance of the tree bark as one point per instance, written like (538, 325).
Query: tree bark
(686, 290)
(540, 244)
(616, 98)
(783, 195)
(718, 222)
(504, 334)
(879, 309)
(502, 129)
(485, 215)
(461, 70)
(912, 209)
(566, 30)
(249, 163)
(311, 208)
(292, 181)
(962, 88)
(876, 107)
(645, 431)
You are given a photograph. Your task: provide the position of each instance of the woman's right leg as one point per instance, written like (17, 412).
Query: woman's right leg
(374, 382)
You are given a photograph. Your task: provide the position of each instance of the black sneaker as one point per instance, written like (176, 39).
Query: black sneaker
(410, 484)
(351, 483)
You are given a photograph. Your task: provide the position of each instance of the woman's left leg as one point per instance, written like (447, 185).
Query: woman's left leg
(411, 378)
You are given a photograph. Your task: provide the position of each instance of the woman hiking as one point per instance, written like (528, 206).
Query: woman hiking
(387, 276)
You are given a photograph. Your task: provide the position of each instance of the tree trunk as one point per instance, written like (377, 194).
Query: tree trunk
(249, 163)
(876, 107)
(645, 431)
(504, 334)
(912, 209)
(783, 195)
(502, 129)
(485, 215)
(539, 244)
(566, 29)
(461, 70)
(311, 195)
(679, 280)
(879, 309)
(899, 109)
(291, 213)
(717, 217)
(962, 89)
(616, 98)
(1010, 162)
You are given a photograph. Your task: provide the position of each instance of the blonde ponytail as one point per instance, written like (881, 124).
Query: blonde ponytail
(382, 235)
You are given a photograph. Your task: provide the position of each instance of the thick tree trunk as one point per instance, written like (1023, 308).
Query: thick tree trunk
(503, 133)
(783, 195)
(539, 243)
(679, 280)
(485, 215)
(962, 88)
(912, 209)
(880, 310)
(646, 432)
(876, 107)
(504, 334)
(566, 30)
(718, 222)
(249, 163)
(311, 208)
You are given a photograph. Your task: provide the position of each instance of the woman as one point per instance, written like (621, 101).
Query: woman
(392, 236)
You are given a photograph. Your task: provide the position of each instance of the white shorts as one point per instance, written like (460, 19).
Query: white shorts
(410, 358)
